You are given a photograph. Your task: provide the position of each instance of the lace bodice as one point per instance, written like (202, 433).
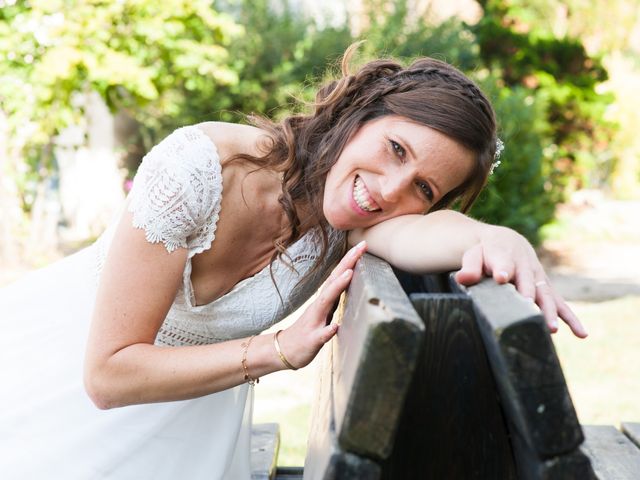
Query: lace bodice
(176, 198)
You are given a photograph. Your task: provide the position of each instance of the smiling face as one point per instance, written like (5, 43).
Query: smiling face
(390, 167)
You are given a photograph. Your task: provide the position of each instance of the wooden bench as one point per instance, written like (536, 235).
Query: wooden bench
(427, 379)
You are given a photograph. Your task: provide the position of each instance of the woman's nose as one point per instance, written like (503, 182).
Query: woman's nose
(393, 185)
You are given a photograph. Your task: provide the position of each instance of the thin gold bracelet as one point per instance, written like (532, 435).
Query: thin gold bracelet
(248, 378)
(285, 362)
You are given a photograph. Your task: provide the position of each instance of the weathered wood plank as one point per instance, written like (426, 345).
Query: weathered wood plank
(538, 409)
(325, 459)
(452, 426)
(613, 456)
(265, 443)
(569, 466)
(375, 354)
(632, 431)
(289, 473)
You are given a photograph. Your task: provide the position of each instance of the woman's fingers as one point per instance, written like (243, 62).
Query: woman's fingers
(328, 332)
(554, 306)
(503, 271)
(336, 282)
(545, 298)
(320, 310)
(525, 283)
(324, 304)
(475, 264)
(315, 318)
(472, 266)
(349, 260)
(311, 330)
(570, 318)
(508, 257)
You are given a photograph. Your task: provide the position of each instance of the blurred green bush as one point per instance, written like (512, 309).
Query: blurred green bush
(184, 63)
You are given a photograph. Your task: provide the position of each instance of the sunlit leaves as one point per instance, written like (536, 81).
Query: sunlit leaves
(135, 53)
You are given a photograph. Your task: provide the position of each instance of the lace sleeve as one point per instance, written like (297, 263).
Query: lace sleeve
(177, 191)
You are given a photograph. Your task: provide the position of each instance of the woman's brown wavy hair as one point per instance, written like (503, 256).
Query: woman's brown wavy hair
(430, 92)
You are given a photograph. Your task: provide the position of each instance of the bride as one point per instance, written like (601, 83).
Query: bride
(134, 358)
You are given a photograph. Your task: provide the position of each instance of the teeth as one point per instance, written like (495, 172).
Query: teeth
(361, 196)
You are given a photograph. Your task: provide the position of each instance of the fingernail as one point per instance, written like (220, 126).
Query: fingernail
(529, 299)
(347, 272)
(356, 248)
(361, 244)
(504, 275)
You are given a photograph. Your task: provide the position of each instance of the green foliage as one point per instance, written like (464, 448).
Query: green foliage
(522, 192)
(277, 60)
(183, 62)
(140, 56)
(561, 72)
(403, 33)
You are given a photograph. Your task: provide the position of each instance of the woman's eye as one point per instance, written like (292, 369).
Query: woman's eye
(397, 148)
(426, 190)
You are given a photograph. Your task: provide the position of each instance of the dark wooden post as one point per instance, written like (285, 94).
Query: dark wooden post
(365, 378)
(541, 421)
(451, 426)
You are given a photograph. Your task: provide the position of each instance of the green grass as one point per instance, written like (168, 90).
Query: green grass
(294, 430)
(603, 371)
(286, 398)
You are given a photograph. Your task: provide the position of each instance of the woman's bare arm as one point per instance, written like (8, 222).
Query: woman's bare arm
(422, 243)
(447, 240)
(137, 288)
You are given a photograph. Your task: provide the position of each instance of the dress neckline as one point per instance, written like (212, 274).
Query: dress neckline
(189, 293)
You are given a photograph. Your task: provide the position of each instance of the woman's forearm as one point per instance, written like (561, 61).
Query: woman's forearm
(423, 243)
(144, 373)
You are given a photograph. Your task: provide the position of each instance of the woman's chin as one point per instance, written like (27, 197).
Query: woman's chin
(338, 222)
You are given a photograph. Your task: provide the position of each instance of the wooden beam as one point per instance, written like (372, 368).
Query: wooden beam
(452, 426)
(325, 459)
(265, 443)
(375, 354)
(538, 409)
(613, 456)
(632, 431)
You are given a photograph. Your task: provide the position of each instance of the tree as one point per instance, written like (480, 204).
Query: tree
(141, 56)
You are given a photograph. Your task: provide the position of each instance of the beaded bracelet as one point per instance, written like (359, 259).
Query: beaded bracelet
(248, 378)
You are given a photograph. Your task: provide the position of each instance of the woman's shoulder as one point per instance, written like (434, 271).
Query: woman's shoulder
(233, 138)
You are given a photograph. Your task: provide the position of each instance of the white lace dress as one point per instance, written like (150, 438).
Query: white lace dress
(48, 426)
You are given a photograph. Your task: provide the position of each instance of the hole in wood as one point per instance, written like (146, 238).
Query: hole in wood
(374, 301)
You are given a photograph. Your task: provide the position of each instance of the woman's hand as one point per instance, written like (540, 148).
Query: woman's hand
(508, 257)
(301, 342)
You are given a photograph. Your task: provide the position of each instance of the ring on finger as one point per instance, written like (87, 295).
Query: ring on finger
(541, 283)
